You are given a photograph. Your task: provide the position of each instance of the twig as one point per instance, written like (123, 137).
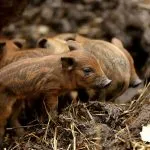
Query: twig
(28, 126)
(49, 119)
(55, 139)
(74, 136)
(69, 146)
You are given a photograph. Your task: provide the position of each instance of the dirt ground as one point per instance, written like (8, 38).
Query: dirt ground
(94, 125)
(89, 126)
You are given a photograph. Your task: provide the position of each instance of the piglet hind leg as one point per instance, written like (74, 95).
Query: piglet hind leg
(6, 104)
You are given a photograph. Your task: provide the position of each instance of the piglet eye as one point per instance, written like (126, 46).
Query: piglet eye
(88, 70)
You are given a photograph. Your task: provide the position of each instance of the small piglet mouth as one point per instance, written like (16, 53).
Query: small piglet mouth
(102, 82)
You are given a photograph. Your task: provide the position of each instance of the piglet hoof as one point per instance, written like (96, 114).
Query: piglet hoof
(53, 116)
(1, 143)
(48, 117)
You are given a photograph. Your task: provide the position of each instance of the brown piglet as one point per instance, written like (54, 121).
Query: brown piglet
(14, 50)
(114, 63)
(54, 45)
(10, 50)
(50, 75)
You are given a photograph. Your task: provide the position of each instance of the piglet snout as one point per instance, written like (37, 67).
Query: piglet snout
(137, 82)
(106, 83)
(102, 82)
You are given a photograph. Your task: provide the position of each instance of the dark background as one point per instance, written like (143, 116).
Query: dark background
(128, 20)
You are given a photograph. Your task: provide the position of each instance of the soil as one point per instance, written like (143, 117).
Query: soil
(93, 125)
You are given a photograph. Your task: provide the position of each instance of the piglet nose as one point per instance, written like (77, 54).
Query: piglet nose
(136, 83)
(106, 83)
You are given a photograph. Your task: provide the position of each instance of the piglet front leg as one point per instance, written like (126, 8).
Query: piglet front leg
(14, 119)
(51, 104)
(6, 104)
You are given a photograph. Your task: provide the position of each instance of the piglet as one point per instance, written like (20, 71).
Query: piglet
(50, 75)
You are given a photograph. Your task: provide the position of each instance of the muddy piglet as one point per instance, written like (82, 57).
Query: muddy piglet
(134, 79)
(50, 75)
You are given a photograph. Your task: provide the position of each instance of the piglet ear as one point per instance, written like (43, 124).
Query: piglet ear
(42, 43)
(19, 42)
(68, 63)
(73, 45)
(117, 42)
(2, 45)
